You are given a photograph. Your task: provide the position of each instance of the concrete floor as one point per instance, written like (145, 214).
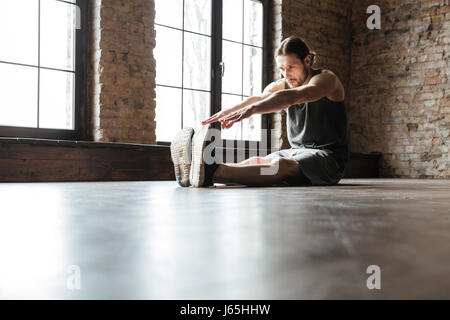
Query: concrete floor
(154, 240)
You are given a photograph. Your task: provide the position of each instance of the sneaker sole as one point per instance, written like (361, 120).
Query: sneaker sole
(197, 174)
(180, 152)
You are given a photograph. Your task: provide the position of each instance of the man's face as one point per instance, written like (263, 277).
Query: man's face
(293, 70)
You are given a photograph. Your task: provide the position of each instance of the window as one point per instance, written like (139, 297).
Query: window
(209, 56)
(41, 68)
(183, 67)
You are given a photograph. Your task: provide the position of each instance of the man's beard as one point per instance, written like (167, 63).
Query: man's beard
(307, 74)
(306, 71)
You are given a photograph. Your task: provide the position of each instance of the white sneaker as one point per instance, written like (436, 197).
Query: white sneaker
(201, 173)
(181, 154)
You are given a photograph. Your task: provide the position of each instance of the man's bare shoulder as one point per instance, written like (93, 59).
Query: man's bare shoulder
(327, 76)
(275, 86)
(326, 73)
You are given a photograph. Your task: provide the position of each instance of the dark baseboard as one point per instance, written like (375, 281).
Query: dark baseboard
(41, 160)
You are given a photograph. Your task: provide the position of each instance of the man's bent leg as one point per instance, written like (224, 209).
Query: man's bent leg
(251, 174)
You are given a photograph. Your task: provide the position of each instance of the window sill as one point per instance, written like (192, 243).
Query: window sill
(84, 144)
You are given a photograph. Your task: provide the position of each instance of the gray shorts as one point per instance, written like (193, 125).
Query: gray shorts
(317, 166)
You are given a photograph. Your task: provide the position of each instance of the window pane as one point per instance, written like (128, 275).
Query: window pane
(232, 57)
(197, 61)
(169, 13)
(168, 113)
(18, 95)
(251, 128)
(19, 31)
(233, 133)
(58, 34)
(197, 16)
(253, 22)
(252, 70)
(232, 20)
(56, 107)
(168, 55)
(195, 108)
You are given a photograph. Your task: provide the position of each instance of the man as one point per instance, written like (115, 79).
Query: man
(316, 127)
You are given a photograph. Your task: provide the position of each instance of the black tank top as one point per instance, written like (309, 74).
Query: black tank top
(320, 124)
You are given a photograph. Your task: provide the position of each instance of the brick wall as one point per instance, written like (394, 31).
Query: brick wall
(325, 26)
(400, 93)
(123, 71)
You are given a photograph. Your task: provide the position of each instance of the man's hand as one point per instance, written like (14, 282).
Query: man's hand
(239, 115)
(217, 117)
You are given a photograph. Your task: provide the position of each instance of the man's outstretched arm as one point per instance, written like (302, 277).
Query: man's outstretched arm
(319, 87)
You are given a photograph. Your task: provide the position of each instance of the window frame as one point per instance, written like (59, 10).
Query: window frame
(80, 130)
(216, 72)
